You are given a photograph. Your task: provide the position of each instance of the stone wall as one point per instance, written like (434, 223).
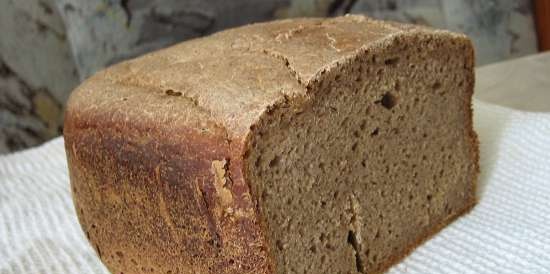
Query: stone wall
(500, 29)
(37, 72)
(49, 46)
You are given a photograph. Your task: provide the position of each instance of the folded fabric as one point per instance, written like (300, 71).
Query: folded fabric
(507, 232)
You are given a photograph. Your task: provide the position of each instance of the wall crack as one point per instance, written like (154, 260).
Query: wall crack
(124, 4)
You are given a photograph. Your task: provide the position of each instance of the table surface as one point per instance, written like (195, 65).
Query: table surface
(522, 83)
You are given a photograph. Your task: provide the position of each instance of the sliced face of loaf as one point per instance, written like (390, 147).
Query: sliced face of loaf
(297, 146)
(380, 158)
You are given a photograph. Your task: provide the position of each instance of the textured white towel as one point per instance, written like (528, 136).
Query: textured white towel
(507, 232)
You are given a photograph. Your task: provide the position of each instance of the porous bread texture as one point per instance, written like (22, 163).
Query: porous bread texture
(296, 146)
(377, 161)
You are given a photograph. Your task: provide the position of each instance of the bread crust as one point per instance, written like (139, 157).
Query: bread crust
(156, 145)
(149, 198)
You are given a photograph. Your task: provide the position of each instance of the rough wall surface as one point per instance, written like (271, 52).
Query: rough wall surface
(49, 46)
(500, 29)
(37, 73)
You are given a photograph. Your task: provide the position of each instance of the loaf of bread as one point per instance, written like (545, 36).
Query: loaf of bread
(296, 146)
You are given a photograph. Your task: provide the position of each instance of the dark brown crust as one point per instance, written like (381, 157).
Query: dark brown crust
(146, 198)
(156, 156)
(474, 140)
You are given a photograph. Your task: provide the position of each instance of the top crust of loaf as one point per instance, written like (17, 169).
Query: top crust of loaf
(233, 76)
(167, 134)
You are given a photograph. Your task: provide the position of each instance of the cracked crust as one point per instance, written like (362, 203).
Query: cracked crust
(156, 144)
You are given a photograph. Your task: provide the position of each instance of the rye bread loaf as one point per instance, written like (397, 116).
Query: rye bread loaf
(296, 146)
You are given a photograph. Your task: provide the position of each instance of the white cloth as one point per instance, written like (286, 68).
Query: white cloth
(507, 232)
